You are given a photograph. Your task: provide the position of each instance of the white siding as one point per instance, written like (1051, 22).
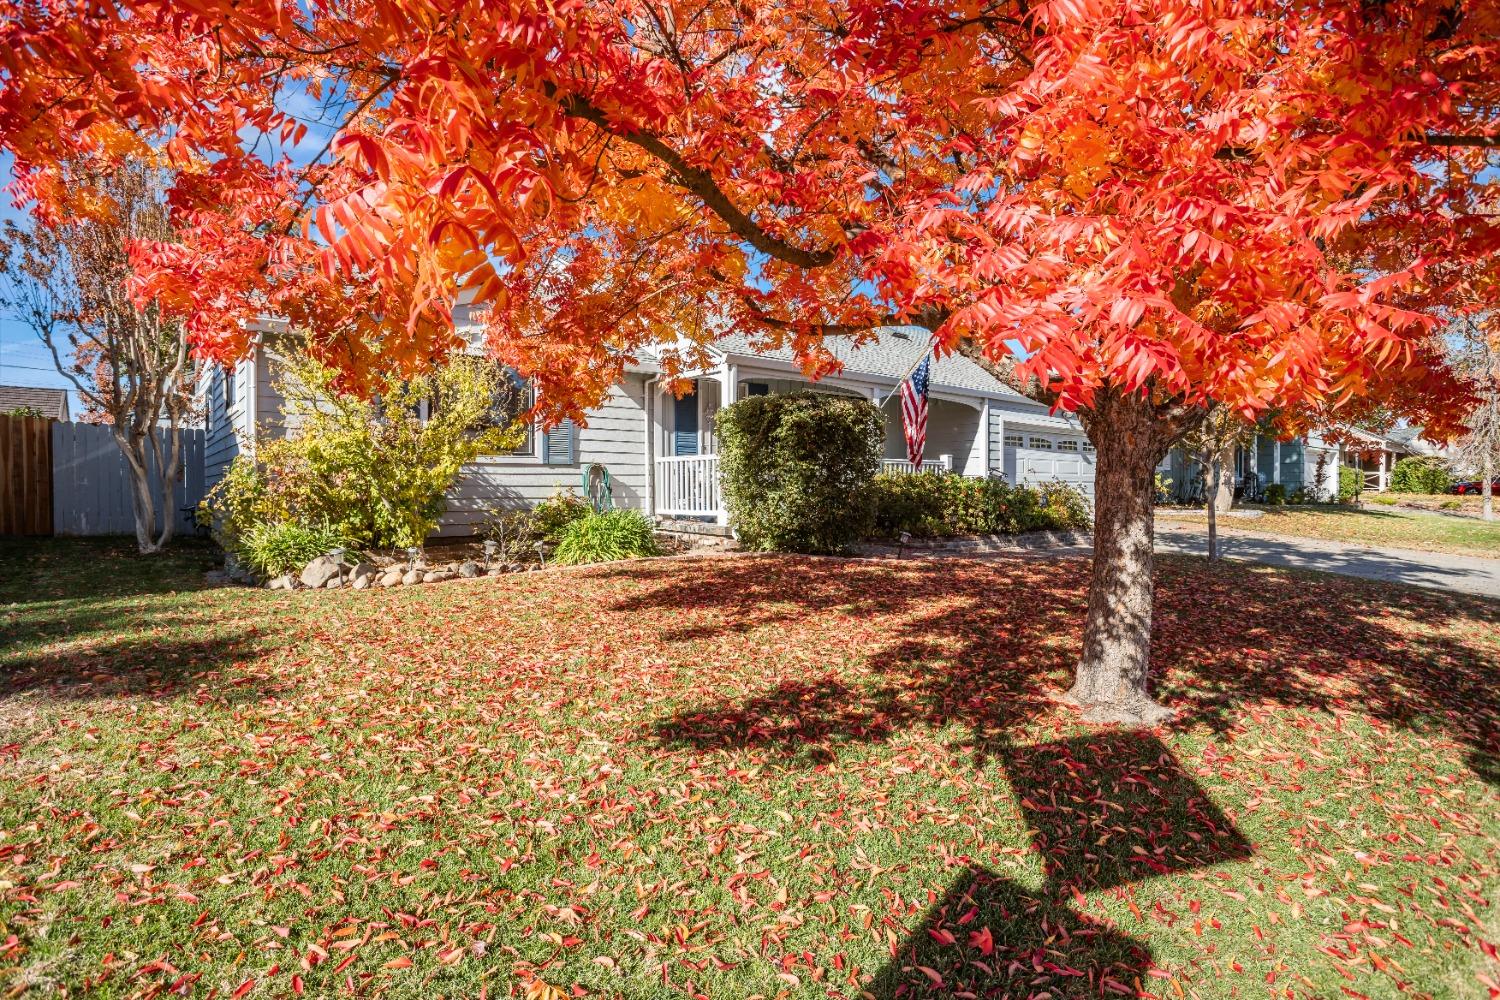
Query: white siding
(615, 438)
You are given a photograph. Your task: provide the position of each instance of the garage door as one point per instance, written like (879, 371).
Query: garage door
(1040, 458)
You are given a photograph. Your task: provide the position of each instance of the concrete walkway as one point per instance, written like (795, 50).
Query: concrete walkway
(1461, 574)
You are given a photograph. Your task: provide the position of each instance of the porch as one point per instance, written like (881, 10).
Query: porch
(683, 443)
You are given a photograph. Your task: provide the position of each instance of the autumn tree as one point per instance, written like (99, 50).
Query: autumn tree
(1138, 209)
(127, 359)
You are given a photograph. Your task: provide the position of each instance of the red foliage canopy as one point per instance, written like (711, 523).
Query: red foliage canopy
(1259, 202)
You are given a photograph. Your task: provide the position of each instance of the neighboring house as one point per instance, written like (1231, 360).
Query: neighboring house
(52, 403)
(1296, 463)
(661, 451)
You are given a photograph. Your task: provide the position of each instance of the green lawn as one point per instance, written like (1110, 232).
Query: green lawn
(1393, 528)
(734, 778)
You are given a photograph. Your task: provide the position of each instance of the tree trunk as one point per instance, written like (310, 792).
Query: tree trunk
(1221, 494)
(1129, 438)
(1215, 480)
(143, 500)
(1487, 484)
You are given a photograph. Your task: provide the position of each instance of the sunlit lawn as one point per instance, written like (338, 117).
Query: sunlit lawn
(738, 777)
(1394, 528)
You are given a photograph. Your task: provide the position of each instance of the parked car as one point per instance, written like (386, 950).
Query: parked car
(1475, 487)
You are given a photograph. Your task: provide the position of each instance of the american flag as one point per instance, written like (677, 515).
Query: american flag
(914, 412)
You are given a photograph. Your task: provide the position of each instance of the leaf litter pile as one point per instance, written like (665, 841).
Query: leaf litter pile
(739, 777)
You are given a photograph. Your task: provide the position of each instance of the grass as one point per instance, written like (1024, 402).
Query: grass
(746, 777)
(1389, 528)
(1467, 504)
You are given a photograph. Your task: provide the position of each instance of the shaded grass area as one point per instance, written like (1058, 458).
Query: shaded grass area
(738, 777)
(1392, 528)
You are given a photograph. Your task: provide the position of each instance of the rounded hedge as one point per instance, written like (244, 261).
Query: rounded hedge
(795, 469)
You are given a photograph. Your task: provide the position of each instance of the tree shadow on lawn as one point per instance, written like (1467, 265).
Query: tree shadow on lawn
(131, 666)
(990, 645)
(38, 570)
(1106, 811)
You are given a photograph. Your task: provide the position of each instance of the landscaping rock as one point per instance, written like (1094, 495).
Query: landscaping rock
(334, 584)
(497, 571)
(411, 576)
(366, 571)
(361, 582)
(469, 570)
(391, 577)
(283, 582)
(437, 576)
(318, 572)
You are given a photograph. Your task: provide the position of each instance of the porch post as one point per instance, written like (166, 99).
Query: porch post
(1276, 458)
(728, 376)
(984, 440)
(1384, 455)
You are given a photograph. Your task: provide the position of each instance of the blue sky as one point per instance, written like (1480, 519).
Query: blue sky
(23, 358)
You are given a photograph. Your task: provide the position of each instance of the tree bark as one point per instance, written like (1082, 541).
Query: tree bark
(1487, 484)
(1130, 437)
(1215, 480)
(1221, 491)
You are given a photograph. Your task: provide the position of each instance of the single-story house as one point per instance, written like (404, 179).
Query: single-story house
(50, 403)
(1310, 462)
(660, 451)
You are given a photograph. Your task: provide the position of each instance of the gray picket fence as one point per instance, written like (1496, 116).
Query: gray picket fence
(91, 493)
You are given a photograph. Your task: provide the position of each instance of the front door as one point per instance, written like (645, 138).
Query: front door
(685, 424)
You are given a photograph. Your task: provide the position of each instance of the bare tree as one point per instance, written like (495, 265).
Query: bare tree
(128, 362)
(1478, 356)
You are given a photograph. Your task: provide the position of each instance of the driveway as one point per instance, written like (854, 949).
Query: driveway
(1461, 574)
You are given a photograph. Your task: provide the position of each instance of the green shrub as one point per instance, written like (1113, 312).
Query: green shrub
(796, 468)
(1351, 484)
(1383, 500)
(551, 517)
(278, 547)
(1450, 505)
(369, 468)
(1276, 493)
(925, 505)
(606, 537)
(1420, 474)
(1066, 506)
(517, 532)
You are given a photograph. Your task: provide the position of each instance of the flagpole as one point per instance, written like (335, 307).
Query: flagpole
(925, 355)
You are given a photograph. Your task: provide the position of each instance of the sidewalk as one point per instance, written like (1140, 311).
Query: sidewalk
(1460, 574)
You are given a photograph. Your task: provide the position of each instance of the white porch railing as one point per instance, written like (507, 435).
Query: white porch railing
(943, 463)
(687, 486)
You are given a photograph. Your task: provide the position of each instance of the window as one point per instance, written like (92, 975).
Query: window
(1088, 447)
(513, 398)
(229, 378)
(1013, 440)
(1041, 444)
(1067, 444)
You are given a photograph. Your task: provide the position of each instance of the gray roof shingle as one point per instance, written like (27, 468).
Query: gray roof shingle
(51, 402)
(892, 355)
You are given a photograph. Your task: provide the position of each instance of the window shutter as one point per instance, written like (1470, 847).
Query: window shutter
(685, 424)
(559, 444)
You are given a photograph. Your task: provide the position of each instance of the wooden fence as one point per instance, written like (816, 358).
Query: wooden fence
(71, 479)
(25, 475)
